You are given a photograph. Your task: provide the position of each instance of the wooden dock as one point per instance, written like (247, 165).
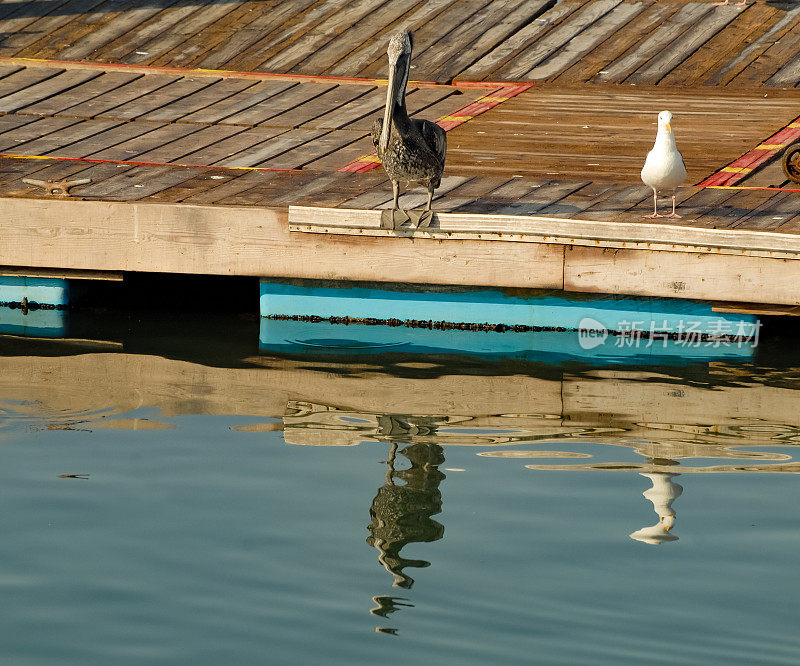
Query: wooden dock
(200, 124)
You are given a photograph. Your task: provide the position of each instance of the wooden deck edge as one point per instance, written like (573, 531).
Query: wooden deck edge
(551, 230)
(117, 236)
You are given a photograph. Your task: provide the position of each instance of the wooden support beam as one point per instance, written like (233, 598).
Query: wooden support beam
(62, 273)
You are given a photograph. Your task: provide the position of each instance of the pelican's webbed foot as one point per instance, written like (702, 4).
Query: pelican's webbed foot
(398, 218)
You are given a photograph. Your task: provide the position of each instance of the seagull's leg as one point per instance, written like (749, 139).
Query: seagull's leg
(673, 213)
(655, 205)
(395, 194)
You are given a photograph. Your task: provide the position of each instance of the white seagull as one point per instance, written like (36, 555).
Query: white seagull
(664, 168)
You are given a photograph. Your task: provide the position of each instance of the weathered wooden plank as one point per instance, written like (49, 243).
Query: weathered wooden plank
(722, 47)
(501, 29)
(319, 35)
(702, 30)
(10, 122)
(94, 145)
(48, 45)
(655, 237)
(466, 32)
(573, 50)
(11, 142)
(261, 112)
(315, 150)
(700, 276)
(770, 215)
(576, 202)
(344, 155)
(59, 103)
(20, 78)
(167, 21)
(44, 89)
(162, 96)
(235, 183)
(240, 139)
(306, 114)
(291, 29)
(200, 145)
(358, 32)
(130, 92)
(262, 153)
(724, 75)
(490, 65)
(120, 24)
(620, 43)
(16, 17)
(161, 48)
(204, 43)
(558, 37)
(136, 183)
(190, 239)
(474, 190)
(60, 141)
(230, 106)
(373, 50)
(44, 25)
(688, 15)
(769, 61)
(612, 206)
(217, 92)
(724, 207)
(273, 15)
(160, 136)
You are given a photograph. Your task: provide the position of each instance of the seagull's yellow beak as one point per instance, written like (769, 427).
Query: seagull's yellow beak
(668, 126)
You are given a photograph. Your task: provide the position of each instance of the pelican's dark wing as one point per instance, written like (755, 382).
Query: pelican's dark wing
(435, 137)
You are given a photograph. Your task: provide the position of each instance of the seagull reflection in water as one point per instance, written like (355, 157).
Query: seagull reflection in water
(662, 493)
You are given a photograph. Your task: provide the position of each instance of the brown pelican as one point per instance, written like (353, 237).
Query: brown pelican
(410, 149)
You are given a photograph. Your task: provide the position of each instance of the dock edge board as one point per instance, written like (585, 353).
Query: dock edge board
(552, 230)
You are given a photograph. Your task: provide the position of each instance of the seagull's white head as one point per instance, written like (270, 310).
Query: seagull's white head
(665, 120)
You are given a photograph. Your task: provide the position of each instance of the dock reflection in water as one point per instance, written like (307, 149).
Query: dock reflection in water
(673, 433)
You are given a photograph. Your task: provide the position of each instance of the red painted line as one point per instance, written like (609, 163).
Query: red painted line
(134, 163)
(754, 158)
(448, 122)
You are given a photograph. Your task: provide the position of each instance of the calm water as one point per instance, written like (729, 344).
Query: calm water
(247, 509)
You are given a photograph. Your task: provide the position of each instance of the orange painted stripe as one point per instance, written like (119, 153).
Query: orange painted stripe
(134, 163)
(770, 146)
(235, 74)
(463, 115)
(748, 187)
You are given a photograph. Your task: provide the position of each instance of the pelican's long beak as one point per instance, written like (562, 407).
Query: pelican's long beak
(391, 95)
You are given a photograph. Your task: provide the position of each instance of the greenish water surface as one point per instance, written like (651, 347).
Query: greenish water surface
(166, 500)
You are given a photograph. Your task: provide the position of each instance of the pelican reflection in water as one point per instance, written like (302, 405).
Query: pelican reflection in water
(410, 149)
(401, 513)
